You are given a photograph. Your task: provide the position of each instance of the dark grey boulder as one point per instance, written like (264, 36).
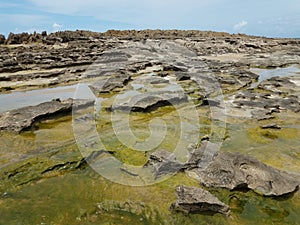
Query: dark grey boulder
(192, 199)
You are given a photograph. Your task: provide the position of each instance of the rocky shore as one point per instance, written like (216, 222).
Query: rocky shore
(39, 60)
(152, 73)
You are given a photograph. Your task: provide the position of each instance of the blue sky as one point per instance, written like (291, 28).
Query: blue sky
(272, 18)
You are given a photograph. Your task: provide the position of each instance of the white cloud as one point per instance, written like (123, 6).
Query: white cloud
(136, 12)
(56, 26)
(240, 25)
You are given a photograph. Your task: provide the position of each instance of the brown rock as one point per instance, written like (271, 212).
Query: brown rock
(2, 39)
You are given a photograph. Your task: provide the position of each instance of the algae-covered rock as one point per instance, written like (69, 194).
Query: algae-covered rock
(192, 199)
(236, 171)
(24, 118)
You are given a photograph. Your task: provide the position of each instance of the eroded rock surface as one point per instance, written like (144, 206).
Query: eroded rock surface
(192, 199)
(64, 56)
(164, 162)
(272, 96)
(236, 171)
(204, 64)
(227, 170)
(24, 118)
(149, 101)
(110, 84)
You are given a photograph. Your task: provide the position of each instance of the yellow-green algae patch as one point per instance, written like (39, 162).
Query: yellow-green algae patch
(264, 136)
(83, 197)
(276, 147)
(80, 196)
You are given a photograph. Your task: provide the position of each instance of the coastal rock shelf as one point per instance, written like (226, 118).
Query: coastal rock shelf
(24, 118)
(145, 127)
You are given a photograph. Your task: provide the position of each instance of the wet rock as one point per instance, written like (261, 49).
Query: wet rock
(147, 214)
(262, 114)
(163, 162)
(174, 50)
(203, 156)
(161, 156)
(274, 96)
(182, 76)
(210, 102)
(110, 84)
(146, 102)
(114, 56)
(272, 59)
(193, 200)
(162, 73)
(271, 126)
(46, 164)
(157, 80)
(24, 118)
(236, 171)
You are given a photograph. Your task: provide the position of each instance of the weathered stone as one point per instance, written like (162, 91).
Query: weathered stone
(161, 156)
(236, 171)
(203, 156)
(193, 200)
(110, 84)
(24, 118)
(146, 102)
(17, 38)
(157, 80)
(163, 162)
(69, 49)
(182, 76)
(2, 39)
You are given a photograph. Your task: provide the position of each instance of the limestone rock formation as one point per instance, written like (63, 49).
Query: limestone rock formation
(235, 171)
(193, 200)
(24, 118)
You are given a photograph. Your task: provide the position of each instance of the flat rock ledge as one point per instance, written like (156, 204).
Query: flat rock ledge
(146, 102)
(22, 119)
(232, 171)
(192, 199)
(235, 171)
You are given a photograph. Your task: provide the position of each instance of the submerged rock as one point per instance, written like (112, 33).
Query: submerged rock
(192, 199)
(24, 118)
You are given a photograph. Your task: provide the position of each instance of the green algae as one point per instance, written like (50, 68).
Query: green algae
(264, 136)
(74, 194)
(84, 197)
